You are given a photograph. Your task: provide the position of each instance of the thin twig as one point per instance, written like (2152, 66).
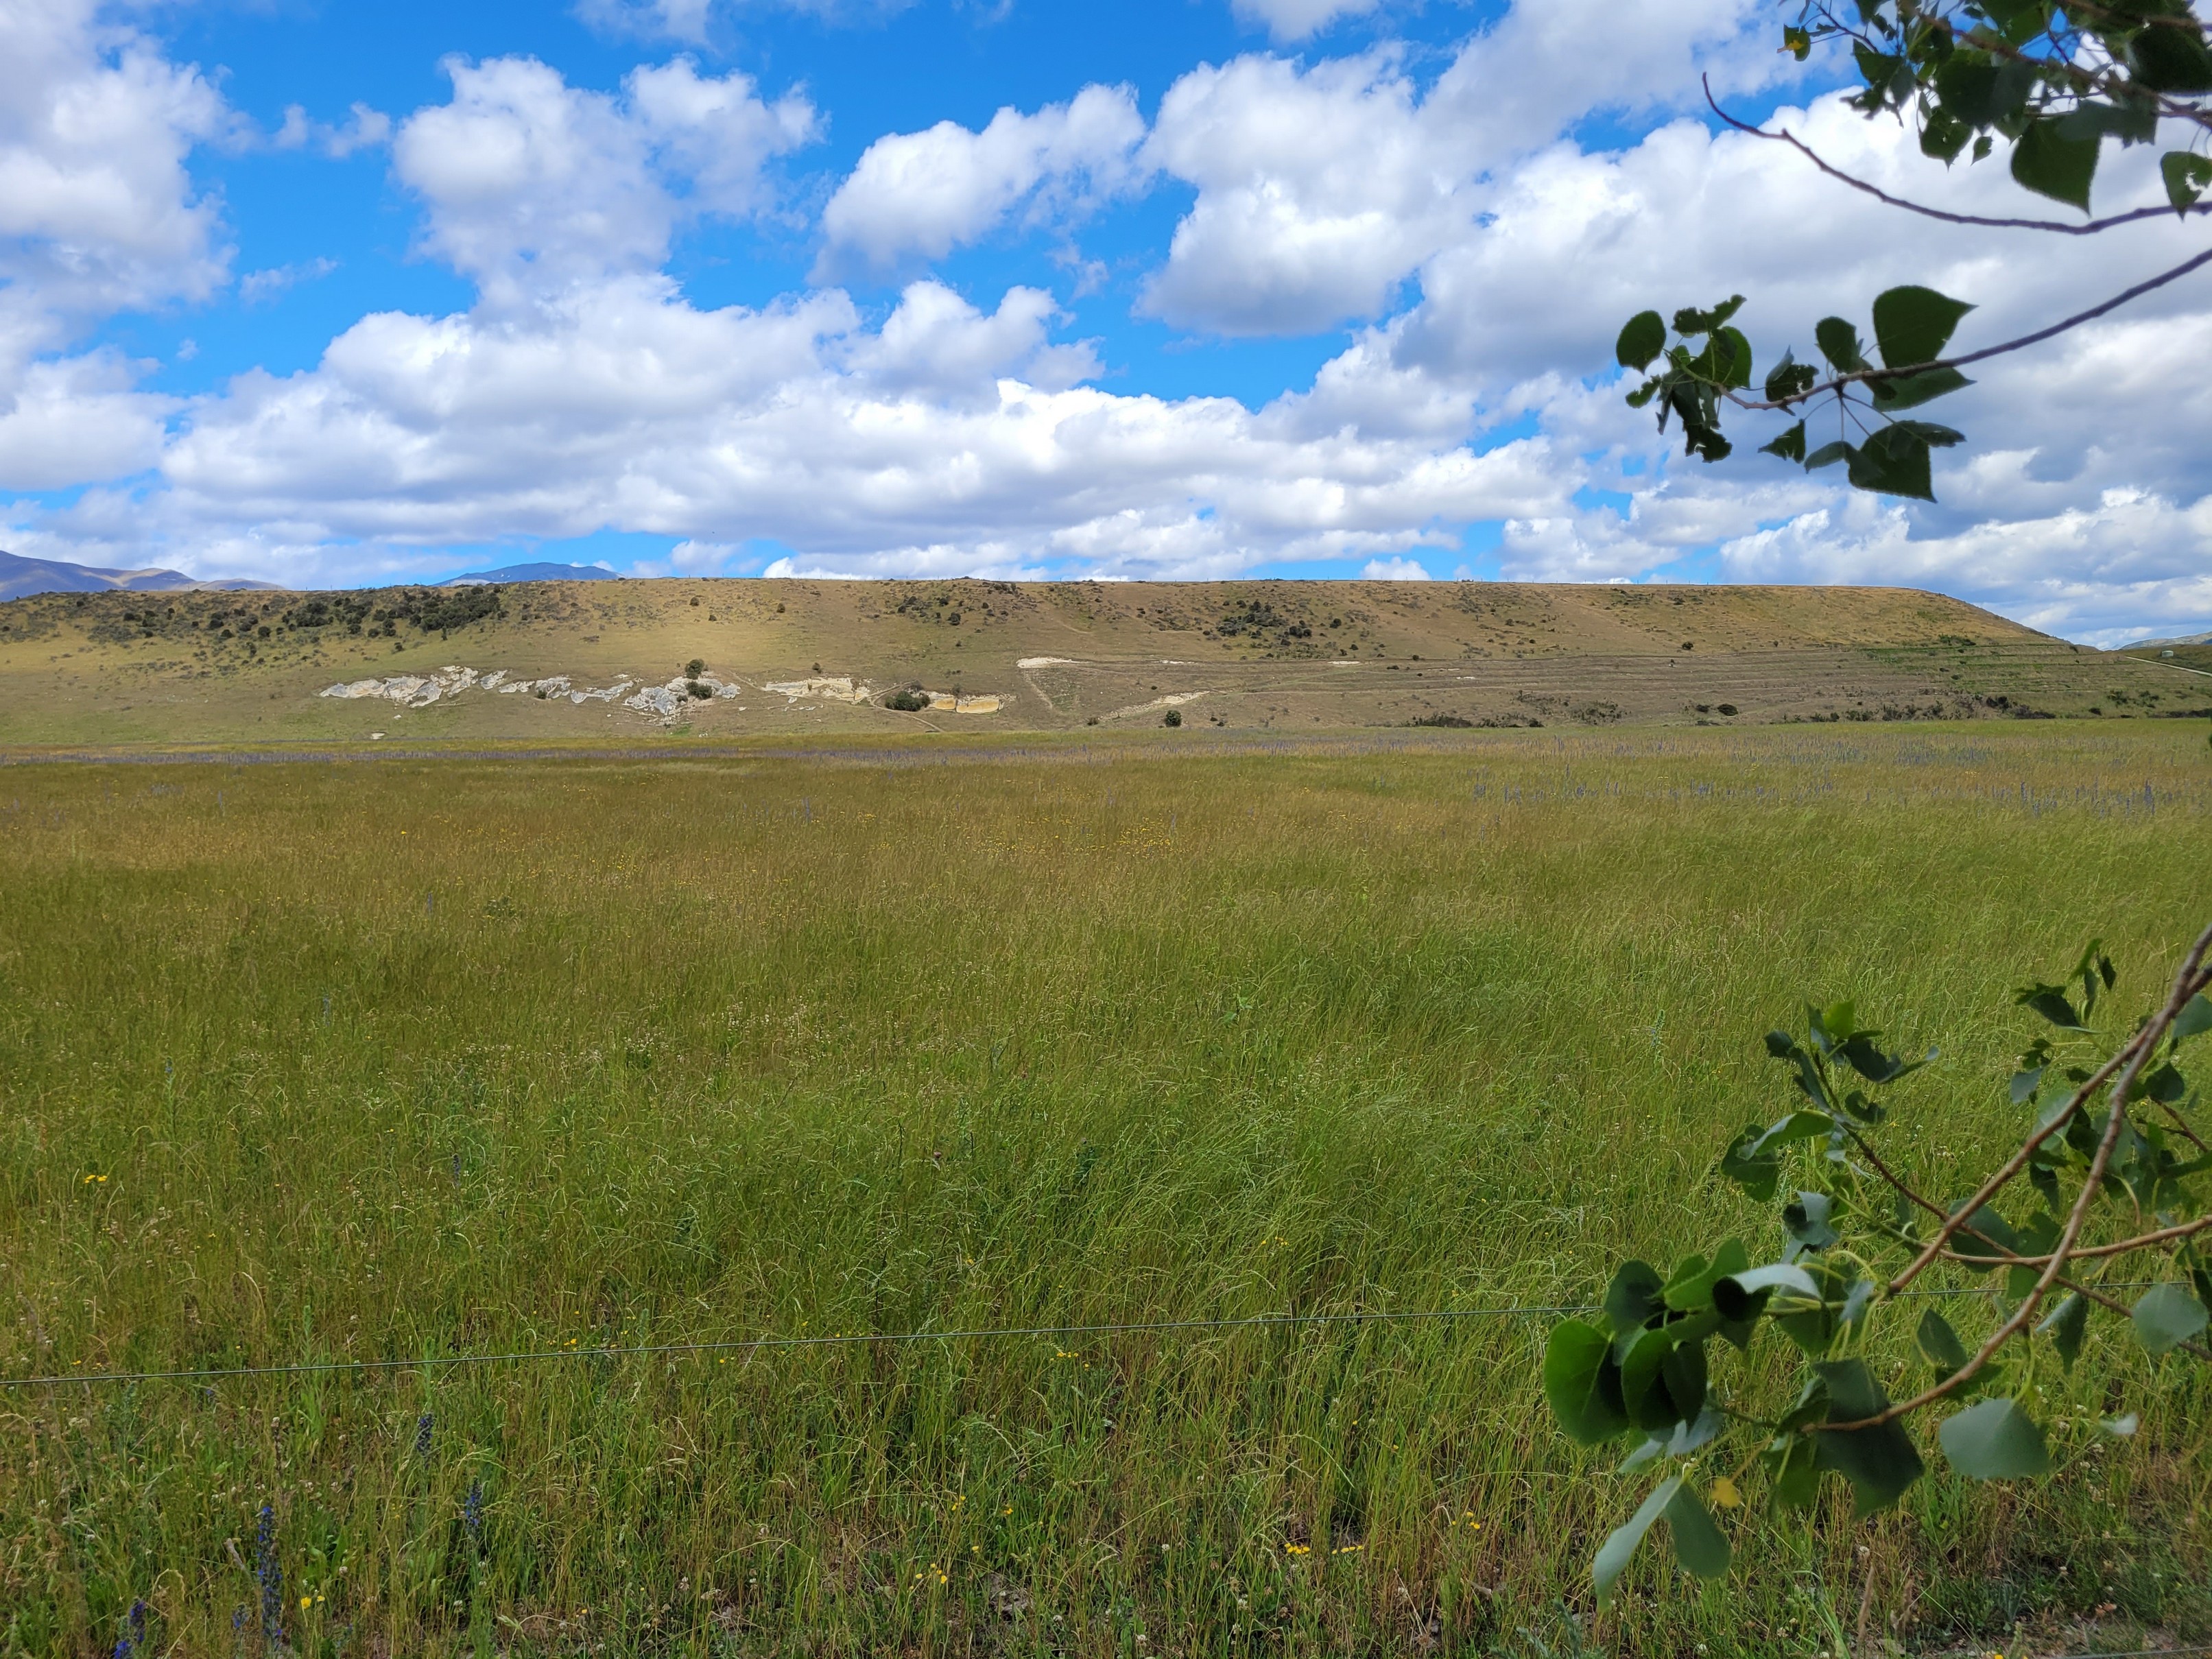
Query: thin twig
(2140, 1242)
(1854, 376)
(2187, 983)
(2139, 1050)
(2057, 227)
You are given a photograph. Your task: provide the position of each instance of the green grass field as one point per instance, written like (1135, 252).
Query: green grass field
(414, 1058)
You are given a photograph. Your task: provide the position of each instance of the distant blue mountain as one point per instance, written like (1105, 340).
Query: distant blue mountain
(19, 578)
(532, 573)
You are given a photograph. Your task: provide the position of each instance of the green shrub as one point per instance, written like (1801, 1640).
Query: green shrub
(1174, 717)
(907, 699)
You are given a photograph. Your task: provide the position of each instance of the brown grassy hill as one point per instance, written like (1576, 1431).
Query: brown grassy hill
(576, 659)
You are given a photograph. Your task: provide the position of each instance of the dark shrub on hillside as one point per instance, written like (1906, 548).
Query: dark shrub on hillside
(907, 700)
(1174, 718)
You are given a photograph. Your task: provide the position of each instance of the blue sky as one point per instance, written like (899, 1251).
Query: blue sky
(332, 295)
(887, 68)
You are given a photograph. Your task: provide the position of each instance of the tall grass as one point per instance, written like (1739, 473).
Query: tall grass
(424, 1057)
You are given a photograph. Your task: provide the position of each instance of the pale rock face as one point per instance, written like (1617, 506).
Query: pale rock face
(661, 703)
(838, 690)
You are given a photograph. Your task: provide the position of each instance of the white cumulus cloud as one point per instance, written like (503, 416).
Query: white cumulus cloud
(534, 185)
(1296, 20)
(926, 193)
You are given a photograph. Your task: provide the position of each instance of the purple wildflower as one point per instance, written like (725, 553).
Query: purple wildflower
(272, 1579)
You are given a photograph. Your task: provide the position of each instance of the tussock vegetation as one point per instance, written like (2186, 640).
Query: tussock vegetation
(413, 1059)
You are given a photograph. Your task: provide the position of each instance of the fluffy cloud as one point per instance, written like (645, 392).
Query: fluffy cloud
(909, 445)
(533, 185)
(1295, 20)
(365, 129)
(1320, 189)
(927, 193)
(1323, 189)
(97, 214)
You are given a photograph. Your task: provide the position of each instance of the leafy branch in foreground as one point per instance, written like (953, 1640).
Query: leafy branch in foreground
(2109, 1158)
(2053, 82)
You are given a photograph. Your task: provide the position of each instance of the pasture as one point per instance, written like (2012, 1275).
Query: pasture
(406, 1059)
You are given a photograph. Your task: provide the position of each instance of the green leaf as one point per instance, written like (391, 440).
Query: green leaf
(1582, 1383)
(1736, 375)
(2168, 54)
(1698, 1544)
(1682, 1374)
(1860, 1054)
(1938, 1344)
(1798, 1126)
(1912, 325)
(1994, 1440)
(2166, 1085)
(1784, 1276)
(1612, 1556)
(2187, 177)
(1642, 338)
(1829, 454)
(1910, 391)
(1985, 1239)
(1758, 1173)
(1701, 1430)
(2168, 1316)
(1636, 1294)
(1649, 1405)
(2194, 1019)
(1797, 42)
(1690, 1287)
(1881, 1463)
(2025, 1086)
(1690, 321)
(1790, 445)
(2049, 1001)
(1794, 1473)
(2065, 1325)
(1839, 343)
(1942, 136)
(1806, 1220)
(2054, 161)
(1645, 1455)
(1790, 379)
(1894, 462)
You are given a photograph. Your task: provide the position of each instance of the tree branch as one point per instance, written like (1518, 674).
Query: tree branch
(2021, 1315)
(2056, 227)
(2186, 984)
(2138, 1052)
(1859, 375)
(2090, 1253)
